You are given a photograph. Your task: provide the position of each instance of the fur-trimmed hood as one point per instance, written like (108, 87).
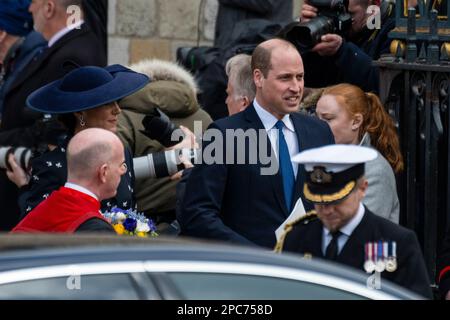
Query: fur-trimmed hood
(172, 89)
(159, 70)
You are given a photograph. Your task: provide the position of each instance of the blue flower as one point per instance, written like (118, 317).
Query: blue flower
(130, 224)
(152, 226)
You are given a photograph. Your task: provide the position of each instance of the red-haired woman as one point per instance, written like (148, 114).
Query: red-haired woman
(357, 117)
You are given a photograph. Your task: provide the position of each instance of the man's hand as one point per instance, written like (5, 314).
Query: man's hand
(447, 296)
(307, 12)
(17, 175)
(187, 164)
(189, 140)
(329, 46)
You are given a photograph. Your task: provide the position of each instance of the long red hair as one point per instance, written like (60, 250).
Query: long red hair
(376, 121)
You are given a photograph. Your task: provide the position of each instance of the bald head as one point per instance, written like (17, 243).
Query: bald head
(89, 150)
(262, 55)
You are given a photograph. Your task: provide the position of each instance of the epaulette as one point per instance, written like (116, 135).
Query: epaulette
(305, 219)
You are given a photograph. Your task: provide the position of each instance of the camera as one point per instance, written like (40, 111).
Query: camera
(332, 17)
(196, 58)
(162, 164)
(22, 156)
(159, 127)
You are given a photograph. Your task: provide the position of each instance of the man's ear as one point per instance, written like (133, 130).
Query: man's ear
(2, 35)
(103, 173)
(362, 187)
(258, 78)
(245, 103)
(49, 9)
(357, 121)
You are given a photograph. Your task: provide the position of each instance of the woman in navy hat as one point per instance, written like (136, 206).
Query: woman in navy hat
(85, 98)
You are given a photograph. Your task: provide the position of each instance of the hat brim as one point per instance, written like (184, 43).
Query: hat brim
(50, 99)
(329, 195)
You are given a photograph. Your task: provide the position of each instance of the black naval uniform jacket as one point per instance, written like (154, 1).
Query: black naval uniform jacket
(49, 173)
(411, 272)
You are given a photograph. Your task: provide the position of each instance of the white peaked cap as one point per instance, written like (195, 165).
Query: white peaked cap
(335, 157)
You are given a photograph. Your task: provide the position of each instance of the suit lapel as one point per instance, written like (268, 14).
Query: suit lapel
(353, 252)
(34, 66)
(301, 133)
(276, 180)
(313, 240)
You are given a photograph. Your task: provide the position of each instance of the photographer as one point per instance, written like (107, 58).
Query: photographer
(349, 58)
(233, 11)
(173, 91)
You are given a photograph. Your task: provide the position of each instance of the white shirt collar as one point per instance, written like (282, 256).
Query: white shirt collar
(269, 120)
(80, 189)
(352, 224)
(63, 32)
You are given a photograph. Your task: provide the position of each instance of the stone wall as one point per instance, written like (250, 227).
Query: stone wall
(139, 29)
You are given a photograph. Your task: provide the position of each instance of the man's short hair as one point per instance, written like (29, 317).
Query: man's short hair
(261, 60)
(262, 56)
(240, 75)
(84, 163)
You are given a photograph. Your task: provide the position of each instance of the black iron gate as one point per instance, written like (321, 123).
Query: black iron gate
(414, 85)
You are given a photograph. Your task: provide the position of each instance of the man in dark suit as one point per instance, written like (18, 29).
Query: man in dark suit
(246, 201)
(20, 126)
(347, 232)
(75, 43)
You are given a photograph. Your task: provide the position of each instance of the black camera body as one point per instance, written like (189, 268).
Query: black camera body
(332, 17)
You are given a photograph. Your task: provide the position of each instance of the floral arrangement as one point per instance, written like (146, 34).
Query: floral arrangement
(129, 222)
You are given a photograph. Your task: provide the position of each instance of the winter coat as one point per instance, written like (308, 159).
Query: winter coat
(173, 90)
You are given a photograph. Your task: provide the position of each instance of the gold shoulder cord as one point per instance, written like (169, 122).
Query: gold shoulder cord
(309, 216)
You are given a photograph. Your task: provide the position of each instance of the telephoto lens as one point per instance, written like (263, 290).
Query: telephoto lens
(21, 155)
(162, 164)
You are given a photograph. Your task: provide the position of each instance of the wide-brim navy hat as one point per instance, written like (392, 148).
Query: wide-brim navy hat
(86, 88)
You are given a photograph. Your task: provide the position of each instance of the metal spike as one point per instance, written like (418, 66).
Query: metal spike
(423, 53)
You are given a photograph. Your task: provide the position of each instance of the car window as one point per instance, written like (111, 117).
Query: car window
(87, 287)
(235, 286)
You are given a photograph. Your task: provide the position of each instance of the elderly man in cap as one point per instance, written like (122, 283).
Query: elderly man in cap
(18, 43)
(346, 231)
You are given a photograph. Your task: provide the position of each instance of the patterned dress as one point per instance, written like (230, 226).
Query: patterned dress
(49, 173)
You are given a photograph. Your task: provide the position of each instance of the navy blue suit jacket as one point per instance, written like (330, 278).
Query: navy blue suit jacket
(234, 202)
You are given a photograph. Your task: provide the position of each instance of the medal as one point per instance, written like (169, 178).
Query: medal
(369, 265)
(391, 263)
(379, 264)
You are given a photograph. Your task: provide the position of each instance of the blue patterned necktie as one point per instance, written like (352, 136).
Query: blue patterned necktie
(286, 170)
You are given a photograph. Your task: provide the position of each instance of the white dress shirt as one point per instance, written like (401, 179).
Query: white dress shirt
(269, 120)
(346, 231)
(63, 32)
(81, 189)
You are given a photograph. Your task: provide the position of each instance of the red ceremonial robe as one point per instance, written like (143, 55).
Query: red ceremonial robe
(63, 211)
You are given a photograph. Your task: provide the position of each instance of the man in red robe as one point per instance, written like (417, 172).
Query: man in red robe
(94, 170)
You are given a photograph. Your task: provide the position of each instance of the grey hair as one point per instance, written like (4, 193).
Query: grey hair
(240, 74)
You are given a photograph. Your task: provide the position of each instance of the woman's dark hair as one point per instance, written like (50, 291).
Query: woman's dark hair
(69, 121)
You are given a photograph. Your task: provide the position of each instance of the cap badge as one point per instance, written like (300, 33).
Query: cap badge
(319, 175)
